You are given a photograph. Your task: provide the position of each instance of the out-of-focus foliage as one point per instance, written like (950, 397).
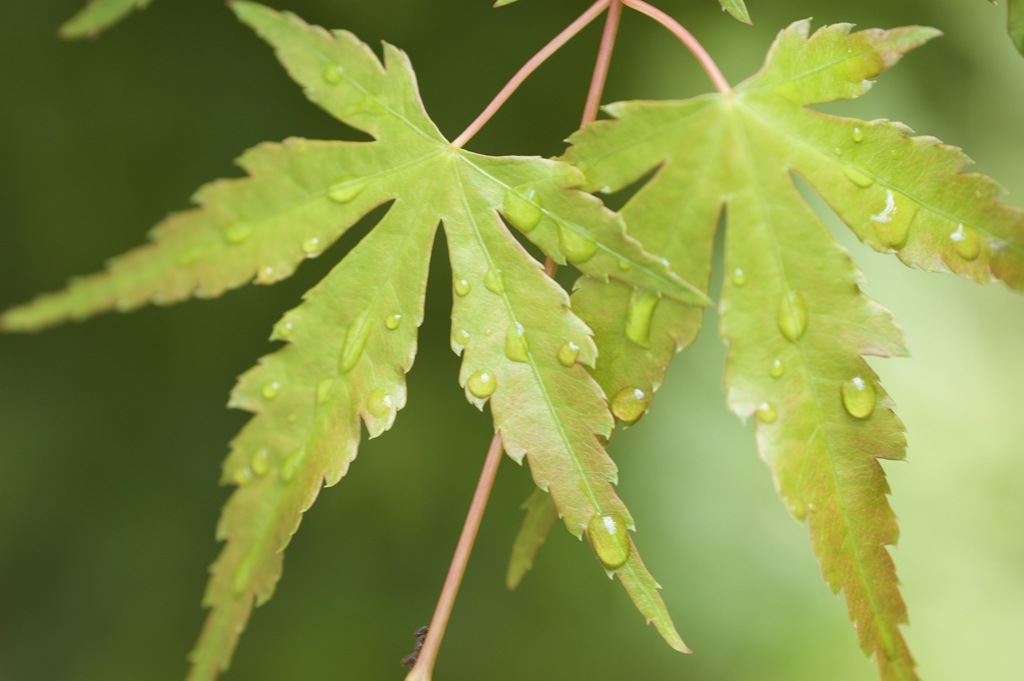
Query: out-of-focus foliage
(99, 15)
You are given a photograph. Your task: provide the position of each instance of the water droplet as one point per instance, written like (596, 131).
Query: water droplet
(323, 390)
(311, 247)
(857, 177)
(523, 211)
(293, 418)
(266, 275)
(462, 287)
(189, 256)
(237, 233)
(793, 316)
(460, 337)
(858, 135)
(393, 321)
(858, 397)
(334, 73)
(777, 368)
(355, 341)
(290, 466)
(766, 413)
(379, 403)
(493, 281)
(283, 329)
(610, 540)
(889, 211)
(577, 247)
(243, 575)
(639, 317)
(271, 389)
(482, 384)
(838, 151)
(625, 265)
(346, 190)
(243, 476)
(739, 277)
(568, 353)
(260, 462)
(515, 344)
(966, 242)
(892, 223)
(629, 404)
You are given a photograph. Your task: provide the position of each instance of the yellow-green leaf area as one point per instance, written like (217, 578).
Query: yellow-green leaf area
(795, 321)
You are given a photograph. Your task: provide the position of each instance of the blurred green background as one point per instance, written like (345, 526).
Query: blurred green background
(112, 431)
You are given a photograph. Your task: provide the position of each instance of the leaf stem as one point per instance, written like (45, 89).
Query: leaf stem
(604, 59)
(428, 653)
(691, 43)
(528, 68)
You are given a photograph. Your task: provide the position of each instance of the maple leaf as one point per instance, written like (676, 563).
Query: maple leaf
(792, 314)
(99, 15)
(353, 338)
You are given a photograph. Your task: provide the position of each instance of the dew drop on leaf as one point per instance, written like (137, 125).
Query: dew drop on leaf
(311, 246)
(857, 177)
(630, 404)
(237, 233)
(265, 275)
(857, 135)
(243, 476)
(243, 575)
(482, 384)
(777, 369)
(739, 277)
(568, 353)
(379, 403)
(189, 256)
(334, 73)
(639, 317)
(271, 389)
(610, 540)
(346, 190)
(892, 223)
(323, 390)
(393, 321)
(260, 463)
(625, 265)
(355, 342)
(858, 397)
(793, 316)
(283, 329)
(966, 242)
(493, 281)
(462, 287)
(290, 466)
(577, 247)
(515, 344)
(523, 211)
(766, 413)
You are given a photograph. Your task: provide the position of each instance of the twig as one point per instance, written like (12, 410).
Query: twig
(529, 67)
(705, 60)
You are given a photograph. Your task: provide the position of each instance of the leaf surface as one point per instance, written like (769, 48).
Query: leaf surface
(99, 15)
(792, 314)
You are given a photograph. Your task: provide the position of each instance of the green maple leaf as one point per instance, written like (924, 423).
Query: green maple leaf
(353, 339)
(792, 314)
(99, 15)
